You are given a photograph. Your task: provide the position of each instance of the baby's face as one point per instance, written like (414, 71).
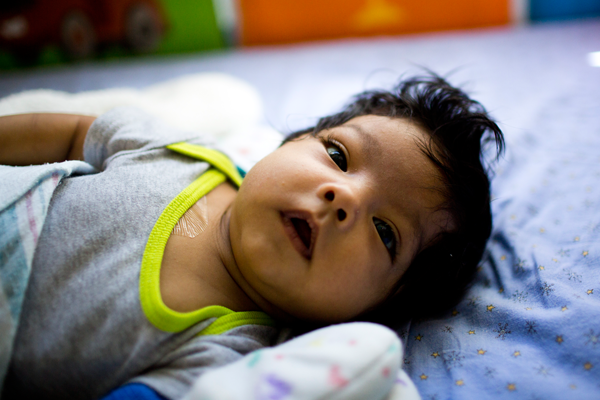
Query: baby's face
(323, 228)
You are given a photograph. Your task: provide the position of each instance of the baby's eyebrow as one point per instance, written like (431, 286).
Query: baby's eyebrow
(369, 144)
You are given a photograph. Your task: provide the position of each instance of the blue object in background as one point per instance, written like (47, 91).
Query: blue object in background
(554, 10)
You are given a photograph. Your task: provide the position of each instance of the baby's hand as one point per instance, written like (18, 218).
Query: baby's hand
(347, 361)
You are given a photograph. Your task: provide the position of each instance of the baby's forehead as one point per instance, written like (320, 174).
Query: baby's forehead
(383, 135)
(398, 146)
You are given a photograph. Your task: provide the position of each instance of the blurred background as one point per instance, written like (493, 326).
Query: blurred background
(303, 58)
(50, 32)
(282, 64)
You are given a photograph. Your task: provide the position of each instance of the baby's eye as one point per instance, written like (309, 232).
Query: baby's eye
(337, 155)
(386, 233)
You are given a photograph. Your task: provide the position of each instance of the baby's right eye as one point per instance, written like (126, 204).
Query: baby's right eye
(337, 155)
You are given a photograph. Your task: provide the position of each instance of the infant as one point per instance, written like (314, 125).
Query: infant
(163, 264)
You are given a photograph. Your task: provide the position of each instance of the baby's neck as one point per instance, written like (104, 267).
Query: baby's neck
(195, 270)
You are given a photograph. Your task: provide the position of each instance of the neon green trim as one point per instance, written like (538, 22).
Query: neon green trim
(214, 157)
(233, 320)
(155, 309)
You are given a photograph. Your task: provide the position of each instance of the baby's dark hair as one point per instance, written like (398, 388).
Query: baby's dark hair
(458, 129)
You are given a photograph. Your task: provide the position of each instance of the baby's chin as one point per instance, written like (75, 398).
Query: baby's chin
(314, 314)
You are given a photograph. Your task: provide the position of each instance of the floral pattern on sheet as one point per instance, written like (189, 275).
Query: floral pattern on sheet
(529, 328)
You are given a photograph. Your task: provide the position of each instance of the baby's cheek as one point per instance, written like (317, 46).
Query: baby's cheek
(350, 291)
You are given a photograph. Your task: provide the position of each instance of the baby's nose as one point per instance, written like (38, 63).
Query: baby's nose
(342, 201)
(341, 213)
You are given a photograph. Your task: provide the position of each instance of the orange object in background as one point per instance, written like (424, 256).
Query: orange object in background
(284, 21)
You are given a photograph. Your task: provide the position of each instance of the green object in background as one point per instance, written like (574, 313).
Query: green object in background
(191, 26)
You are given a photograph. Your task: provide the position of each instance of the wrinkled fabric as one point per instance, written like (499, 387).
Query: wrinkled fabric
(25, 194)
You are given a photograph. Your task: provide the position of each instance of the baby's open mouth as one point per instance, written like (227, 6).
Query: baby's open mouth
(301, 232)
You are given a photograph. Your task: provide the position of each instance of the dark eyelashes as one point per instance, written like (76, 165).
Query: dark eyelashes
(335, 151)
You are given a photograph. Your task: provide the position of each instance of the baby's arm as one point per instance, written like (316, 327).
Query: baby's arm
(27, 139)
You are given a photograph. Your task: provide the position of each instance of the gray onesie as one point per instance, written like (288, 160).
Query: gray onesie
(82, 330)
